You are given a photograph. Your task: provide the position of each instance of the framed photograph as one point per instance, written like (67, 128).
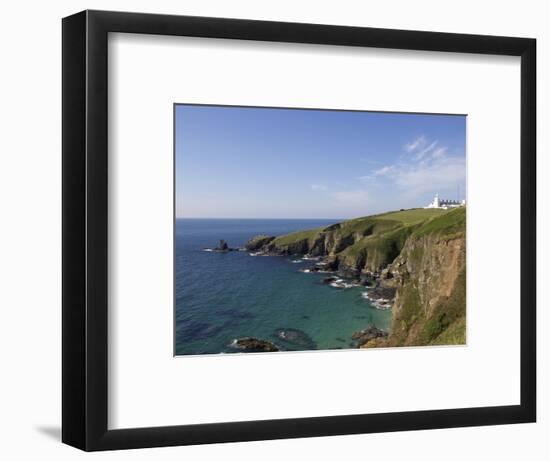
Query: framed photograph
(278, 230)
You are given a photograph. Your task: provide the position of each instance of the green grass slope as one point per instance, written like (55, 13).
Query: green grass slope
(453, 221)
(370, 242)
(413, 216)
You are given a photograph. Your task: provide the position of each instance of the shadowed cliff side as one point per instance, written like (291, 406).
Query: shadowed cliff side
(430, 278)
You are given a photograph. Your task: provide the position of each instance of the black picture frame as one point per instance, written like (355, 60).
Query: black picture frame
(85, 220)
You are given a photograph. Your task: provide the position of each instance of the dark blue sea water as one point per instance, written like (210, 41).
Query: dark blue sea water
(223, 296)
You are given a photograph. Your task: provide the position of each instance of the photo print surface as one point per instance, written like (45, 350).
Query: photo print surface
(313, 229)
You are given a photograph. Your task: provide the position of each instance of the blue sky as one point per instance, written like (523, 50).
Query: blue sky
(234, 162)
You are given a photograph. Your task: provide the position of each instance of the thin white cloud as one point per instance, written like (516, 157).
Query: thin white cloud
(433, 176)
(417, 143)
(419, 155)
(427, 168)
(351, 197)
(318, 187)
(420, 147)
(439, 153)
(384, 170)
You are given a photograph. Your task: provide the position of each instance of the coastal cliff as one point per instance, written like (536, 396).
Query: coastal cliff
(430, 280)
(419, 255)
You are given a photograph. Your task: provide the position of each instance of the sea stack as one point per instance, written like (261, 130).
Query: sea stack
(222, 246)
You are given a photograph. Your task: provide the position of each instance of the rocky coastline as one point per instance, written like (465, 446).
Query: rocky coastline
(413, 267)
(411, 262)
(377, 293)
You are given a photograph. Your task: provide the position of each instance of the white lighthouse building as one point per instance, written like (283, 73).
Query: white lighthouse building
(445, 204)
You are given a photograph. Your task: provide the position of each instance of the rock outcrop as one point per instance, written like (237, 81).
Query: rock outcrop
(250, 344)
(222, 247)
(363, 337)
(258, 242)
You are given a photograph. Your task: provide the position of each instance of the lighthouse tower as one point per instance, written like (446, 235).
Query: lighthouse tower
(445, 204)
(436, 202)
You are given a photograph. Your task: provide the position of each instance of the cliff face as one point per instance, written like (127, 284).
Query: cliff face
(419, 253)
(430, 301)
(352, 247)
(429, 276)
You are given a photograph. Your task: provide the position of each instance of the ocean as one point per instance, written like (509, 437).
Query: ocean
(224, 296)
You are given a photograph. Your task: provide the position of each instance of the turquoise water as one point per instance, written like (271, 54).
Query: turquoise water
(224, 296)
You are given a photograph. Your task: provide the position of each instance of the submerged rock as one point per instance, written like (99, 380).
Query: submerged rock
(235, 314)
(297, 338)
(362, 337)
(196, 330)
(250, 344)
